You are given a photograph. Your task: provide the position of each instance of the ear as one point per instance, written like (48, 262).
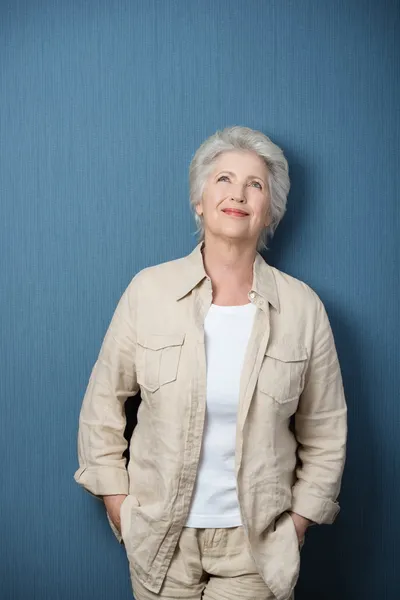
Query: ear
(199, 209)
(268, 219)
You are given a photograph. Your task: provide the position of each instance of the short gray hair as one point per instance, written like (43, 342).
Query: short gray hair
(242, 138)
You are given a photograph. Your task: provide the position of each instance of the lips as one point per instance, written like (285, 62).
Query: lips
(235, 212)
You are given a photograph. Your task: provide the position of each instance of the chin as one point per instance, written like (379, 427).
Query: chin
(235, 236)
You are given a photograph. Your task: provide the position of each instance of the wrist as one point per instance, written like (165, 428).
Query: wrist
(112, 499)
(306, 522)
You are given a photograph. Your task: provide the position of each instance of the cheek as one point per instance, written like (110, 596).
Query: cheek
(260, 209)
(211, 202)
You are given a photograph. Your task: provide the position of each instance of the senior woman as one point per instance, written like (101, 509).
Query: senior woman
(225, 350)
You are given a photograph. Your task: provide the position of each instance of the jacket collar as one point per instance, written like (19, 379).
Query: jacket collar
(264, 284)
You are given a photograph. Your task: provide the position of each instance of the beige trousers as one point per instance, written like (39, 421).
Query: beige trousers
(209, 564)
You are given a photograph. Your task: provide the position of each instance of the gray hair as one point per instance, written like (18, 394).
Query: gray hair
(246, 139)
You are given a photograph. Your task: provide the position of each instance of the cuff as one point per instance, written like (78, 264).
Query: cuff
(314, 508)
(103, 481)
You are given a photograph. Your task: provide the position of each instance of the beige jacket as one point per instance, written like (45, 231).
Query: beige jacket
(155, 343)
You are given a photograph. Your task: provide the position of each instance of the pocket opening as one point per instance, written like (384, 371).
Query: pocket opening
(160, 361)
(282, 372)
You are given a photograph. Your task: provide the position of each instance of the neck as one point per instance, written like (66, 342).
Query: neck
(230, 268)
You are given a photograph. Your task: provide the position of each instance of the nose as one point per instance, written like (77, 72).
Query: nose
(239, 195)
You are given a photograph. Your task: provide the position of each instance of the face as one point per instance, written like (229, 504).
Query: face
(235, 202)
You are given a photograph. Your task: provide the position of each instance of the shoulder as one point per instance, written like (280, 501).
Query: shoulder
(162, 277)
(301, 309)
(294, 292)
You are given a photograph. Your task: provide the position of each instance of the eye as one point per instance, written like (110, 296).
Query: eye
(223, 178)
(256, 184)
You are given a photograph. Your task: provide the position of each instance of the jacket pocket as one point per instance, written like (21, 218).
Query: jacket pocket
(120, 535)
(128, 504)
(282, 372)
(159, 356)
(281, 571)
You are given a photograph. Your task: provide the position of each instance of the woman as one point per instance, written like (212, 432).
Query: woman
(219, 491)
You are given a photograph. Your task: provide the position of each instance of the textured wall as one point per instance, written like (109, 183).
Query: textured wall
(103, 103)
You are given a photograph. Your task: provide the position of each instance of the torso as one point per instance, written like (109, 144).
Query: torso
(227, 331)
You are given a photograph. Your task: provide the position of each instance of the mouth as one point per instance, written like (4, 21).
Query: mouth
(235, 212)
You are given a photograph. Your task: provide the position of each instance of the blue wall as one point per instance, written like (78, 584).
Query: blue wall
(102, 105)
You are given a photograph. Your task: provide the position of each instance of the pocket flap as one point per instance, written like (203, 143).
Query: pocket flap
(158, 341)
(286, 352)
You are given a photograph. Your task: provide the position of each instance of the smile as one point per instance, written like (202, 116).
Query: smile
(234, 212)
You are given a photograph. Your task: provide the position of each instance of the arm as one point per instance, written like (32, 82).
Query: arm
(321, 429)
(102, 421)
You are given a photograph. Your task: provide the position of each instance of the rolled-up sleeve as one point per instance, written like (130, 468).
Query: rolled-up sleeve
(321, 429)
(101, 442)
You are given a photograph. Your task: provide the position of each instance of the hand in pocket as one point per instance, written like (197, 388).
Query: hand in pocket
(113, 506)
(301, 524)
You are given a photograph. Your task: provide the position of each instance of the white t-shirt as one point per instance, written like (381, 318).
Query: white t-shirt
(215, 503)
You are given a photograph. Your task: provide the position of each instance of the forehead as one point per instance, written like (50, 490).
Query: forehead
(241, 162)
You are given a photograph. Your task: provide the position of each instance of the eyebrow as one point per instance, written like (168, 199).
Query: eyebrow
(234, 175)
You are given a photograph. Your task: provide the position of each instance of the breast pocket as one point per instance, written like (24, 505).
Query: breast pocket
(158, 360)
(282, 372)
